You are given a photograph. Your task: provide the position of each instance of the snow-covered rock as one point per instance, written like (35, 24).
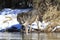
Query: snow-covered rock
(57, 27)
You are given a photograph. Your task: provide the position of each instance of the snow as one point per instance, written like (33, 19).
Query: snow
(34, 25)
(7, 21)
(8, 18)
(42, 25)
(57, 27)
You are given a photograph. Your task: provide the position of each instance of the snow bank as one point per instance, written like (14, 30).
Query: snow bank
(8, 18)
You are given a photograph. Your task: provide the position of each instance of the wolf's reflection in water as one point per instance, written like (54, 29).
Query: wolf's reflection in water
(30, 36)
(42, 36)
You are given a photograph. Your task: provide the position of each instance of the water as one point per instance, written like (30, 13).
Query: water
(10, 36)
(42, 36)
(30, 36)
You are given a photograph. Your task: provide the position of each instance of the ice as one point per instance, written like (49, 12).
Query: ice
(7, 11)
(16, 11)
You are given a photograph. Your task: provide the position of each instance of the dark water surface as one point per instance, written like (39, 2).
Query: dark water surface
(30, 36)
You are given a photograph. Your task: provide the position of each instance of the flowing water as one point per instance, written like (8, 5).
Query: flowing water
(30, 36)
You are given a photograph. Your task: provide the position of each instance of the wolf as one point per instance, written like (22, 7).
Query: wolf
(27, 18)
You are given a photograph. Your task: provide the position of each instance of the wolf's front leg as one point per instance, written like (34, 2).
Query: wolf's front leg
(26, 27)
(26, 30)
(30, 29)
